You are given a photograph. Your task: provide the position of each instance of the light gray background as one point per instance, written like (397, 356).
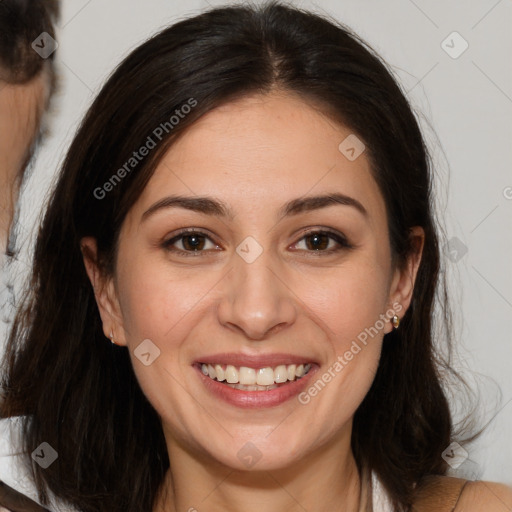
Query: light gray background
(468, 103)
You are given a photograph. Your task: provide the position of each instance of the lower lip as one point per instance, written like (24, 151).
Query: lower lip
(256, 399)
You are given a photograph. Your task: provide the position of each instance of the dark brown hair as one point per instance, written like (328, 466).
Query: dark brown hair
(77, 391)
(21, 22)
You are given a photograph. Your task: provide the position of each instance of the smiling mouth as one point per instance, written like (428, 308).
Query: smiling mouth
(255, 379)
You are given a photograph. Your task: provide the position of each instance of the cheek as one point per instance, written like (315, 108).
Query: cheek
(164, 309)
(347, 300)
(350, 303)
(155, 304)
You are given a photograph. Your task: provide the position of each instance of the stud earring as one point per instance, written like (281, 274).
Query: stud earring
(395, 321)
(112, 338)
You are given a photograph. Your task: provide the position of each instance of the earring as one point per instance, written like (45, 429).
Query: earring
(395, 321)
(112, 338)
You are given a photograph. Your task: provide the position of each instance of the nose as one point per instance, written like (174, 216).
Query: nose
(256, 301)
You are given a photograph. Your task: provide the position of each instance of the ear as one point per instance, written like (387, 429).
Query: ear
(104, 292)
(404, 277)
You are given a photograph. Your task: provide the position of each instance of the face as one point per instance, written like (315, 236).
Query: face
(274, 267)
(21, 107)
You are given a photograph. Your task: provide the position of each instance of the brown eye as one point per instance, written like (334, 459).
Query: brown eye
(323, 242)
(190, 243)
(317, 241)
(193, 242)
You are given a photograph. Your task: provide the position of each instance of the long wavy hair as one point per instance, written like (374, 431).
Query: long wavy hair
(78, 392)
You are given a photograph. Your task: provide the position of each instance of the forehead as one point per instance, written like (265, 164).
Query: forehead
(264, 149)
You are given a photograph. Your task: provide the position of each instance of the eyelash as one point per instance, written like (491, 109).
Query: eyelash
(337, 237)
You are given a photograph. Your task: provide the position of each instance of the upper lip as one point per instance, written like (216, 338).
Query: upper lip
(254, 361)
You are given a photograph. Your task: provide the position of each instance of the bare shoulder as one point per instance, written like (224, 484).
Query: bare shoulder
(485, 497)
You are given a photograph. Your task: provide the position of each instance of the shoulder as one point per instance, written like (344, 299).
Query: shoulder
(455, 494)
(486, 496)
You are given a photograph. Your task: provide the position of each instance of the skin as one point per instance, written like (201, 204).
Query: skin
(489, 496)
(21, 108)
(291, 299)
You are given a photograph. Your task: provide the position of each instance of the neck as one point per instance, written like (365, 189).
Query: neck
(325, 481)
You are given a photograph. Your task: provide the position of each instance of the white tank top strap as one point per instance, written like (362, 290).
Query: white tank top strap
(380, 499)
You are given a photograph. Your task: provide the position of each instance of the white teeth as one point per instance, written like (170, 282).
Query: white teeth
(251, 379)
(265, 376)
(251, 388)
(220, 373)
(280, 373)
(247, 376)
(231, 374)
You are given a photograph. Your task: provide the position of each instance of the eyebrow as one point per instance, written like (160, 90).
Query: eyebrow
(217, 208)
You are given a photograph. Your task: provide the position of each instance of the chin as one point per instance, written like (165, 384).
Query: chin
(262, 452)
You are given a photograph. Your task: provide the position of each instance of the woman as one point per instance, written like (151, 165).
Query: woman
(246, 214)
(27, 82)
